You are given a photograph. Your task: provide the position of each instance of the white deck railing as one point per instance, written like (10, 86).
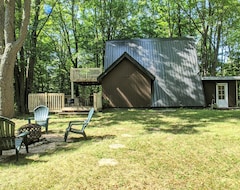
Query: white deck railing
(54, 101)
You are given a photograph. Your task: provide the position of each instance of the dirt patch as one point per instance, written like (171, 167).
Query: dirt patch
(48, 142)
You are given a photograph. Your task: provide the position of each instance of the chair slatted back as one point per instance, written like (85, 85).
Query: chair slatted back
(7, 134)
(41, 114)
(90, 114)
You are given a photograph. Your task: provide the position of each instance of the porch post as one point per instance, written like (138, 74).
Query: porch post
(72, 90)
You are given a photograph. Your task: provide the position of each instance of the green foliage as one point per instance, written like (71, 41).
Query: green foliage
(74, 34)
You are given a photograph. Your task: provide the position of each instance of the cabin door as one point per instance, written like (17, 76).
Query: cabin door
(222, 95)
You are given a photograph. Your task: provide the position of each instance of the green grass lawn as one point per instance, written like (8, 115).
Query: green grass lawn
(134, 149)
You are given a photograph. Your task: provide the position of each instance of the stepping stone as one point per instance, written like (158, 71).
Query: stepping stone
(116, 146)
(107, 162)
(126, 135)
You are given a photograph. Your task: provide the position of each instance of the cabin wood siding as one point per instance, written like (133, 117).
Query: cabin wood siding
(127, 86)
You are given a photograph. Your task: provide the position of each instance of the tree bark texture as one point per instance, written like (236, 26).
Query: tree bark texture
(10, 46)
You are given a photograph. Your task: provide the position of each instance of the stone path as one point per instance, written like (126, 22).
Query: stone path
(111, 161)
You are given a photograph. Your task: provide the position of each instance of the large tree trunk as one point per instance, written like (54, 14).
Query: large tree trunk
(9, 48)
(6, 83)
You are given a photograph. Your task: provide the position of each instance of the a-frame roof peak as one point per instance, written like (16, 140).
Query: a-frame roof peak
(125, 55)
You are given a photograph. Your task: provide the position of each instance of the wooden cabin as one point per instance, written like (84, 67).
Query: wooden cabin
(161, 72)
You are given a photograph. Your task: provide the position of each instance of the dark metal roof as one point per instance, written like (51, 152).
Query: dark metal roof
(119, 60)
(173, 62)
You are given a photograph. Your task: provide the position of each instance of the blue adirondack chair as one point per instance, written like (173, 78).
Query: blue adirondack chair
(82, 124)
(41, 116)
(8, 140)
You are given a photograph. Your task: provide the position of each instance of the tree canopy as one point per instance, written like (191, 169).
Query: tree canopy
(72, 33)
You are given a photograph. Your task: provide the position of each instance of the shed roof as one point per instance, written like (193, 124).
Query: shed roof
(119, 60)
(220, 78)
(173, 62)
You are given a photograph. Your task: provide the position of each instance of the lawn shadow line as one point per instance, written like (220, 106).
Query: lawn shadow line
(176, 129)
(90, 138)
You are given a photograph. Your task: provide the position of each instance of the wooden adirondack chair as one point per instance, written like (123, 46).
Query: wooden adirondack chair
(41, 116)
(83, 125)
(7, 136)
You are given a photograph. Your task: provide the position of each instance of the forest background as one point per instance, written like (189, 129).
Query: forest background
(72, 33)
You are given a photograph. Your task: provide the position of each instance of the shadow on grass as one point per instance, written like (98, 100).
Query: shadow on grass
(189, 120)
(176, 129)
(90, 138)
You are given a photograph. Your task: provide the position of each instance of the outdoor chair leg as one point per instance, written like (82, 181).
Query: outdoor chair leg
(26, 145)
(16, 154)
(65, 136)
(84, 134)
(46, 128)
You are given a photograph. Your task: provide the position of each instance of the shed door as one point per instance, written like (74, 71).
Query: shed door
(222, 95)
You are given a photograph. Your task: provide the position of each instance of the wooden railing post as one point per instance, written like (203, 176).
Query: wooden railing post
(97, 101)
(46, 99)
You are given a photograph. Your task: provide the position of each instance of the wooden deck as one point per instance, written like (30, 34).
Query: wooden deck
(59, 103)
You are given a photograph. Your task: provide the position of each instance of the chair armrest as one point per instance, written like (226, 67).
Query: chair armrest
(23, 134)
(71, 123)
(76, 122)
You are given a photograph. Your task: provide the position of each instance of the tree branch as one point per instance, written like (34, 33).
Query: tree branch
(48, 16)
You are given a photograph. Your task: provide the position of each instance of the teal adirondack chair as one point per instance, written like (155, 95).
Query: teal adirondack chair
(8, 140)
(41, 116)
(82, 124)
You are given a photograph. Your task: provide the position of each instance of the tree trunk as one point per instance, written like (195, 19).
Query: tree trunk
(216, 49)
(6, 83)
(32, 62)
(9, 52)
(19, 74)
